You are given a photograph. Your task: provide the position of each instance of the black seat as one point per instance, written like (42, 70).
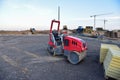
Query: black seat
(57, 37)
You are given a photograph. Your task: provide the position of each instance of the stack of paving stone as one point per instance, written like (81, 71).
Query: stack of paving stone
(112, 64)
(104, 50)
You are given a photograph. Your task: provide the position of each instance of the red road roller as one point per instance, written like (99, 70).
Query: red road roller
(61, 44)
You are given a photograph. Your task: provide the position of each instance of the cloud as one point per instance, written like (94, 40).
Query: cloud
(81, 19)
(97, 18)
(22, 6)
(114, 18)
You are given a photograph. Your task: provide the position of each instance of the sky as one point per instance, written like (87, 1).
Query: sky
(26, 14)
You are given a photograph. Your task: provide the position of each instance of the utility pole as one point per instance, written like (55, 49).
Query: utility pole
(104, 23)
(58, 13)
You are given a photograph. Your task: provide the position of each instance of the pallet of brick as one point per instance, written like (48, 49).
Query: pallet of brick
(104, 50)
(112, 64)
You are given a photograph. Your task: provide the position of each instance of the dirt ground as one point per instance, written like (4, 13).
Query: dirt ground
(24, 57)
(23, 32)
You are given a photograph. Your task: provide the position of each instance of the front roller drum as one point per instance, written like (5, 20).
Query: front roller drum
(75, 57)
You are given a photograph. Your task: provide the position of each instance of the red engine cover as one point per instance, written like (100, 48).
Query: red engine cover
(74, 44)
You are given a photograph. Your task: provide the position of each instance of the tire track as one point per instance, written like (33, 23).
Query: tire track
(14, 64)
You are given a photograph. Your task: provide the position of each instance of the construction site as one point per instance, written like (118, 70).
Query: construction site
(24, 56)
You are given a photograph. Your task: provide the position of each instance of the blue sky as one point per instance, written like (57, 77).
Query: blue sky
(24, 14)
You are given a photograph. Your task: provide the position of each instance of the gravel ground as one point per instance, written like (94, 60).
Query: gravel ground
(26, 58)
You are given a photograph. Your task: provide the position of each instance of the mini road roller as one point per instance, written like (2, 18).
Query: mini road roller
(61, 44)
